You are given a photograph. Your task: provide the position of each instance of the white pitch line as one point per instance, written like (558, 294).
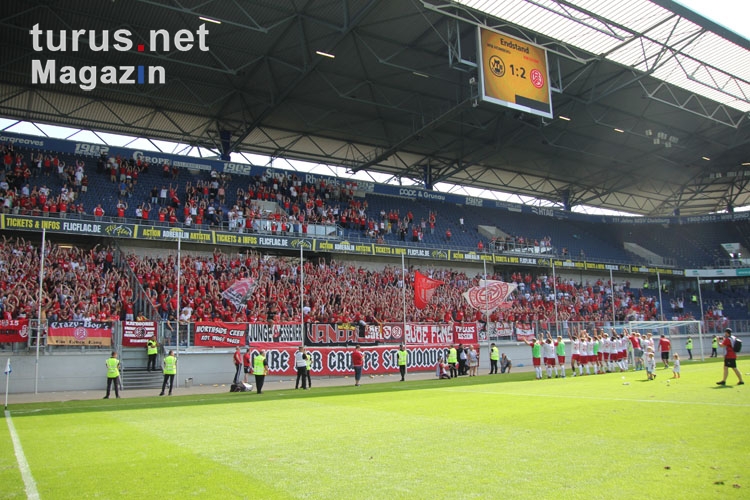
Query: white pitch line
(23, 465)
(605, 399)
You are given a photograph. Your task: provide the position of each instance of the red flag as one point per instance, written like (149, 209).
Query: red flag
(424, 288)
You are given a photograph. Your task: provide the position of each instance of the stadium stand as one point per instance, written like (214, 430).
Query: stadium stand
(46, 182)
(87, 283)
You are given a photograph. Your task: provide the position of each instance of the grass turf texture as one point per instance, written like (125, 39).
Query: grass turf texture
(482, 437)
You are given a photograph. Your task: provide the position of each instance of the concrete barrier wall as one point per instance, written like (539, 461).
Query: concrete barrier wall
(80, 371)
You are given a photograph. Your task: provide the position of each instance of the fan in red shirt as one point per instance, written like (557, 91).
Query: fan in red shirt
(665, 346)
(730, 358)
(357, 362)
(237, 359)
(128, 309)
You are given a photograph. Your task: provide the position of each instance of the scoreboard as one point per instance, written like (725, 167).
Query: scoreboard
(514, 73)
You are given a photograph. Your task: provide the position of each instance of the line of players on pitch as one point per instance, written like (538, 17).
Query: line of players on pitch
(592, 353)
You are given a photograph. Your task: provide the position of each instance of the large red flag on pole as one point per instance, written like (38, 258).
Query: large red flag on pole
(424, 288)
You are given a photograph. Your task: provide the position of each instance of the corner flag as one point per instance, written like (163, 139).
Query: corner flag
(7, 380)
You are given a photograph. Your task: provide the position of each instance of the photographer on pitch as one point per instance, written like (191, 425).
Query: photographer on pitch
(300, 363)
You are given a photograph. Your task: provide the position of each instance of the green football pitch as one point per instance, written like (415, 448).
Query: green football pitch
(607, 436)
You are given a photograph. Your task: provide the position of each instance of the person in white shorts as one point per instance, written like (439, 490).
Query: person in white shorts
(575, 359)
(560, 351)
(548, 354)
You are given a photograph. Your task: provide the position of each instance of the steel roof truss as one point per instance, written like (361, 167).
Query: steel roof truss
(719, 114)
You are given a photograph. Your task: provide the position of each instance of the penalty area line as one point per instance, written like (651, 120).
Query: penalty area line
(23, 465)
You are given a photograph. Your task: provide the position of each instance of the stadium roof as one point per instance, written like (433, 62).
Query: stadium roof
(655, 98)
(645, 36)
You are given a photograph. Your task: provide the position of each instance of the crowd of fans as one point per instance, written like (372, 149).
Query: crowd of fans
(86, 284)
(212, 202)
(78, 284)
(24, 180)
(515, 242)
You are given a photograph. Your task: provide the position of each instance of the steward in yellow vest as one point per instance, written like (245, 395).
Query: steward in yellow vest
(152, 349)
(113, 374)
(453, 361)
(260, 368)
(169, 367)
(401, 353)
(494, 357)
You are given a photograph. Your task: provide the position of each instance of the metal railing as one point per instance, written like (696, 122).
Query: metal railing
(182, 338)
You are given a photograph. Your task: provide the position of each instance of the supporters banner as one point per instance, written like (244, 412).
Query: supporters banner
(429, 333)
(92, 333)
(319, 334)
(524, 331)
(424, 289)
(337, 334)
(137, 333)
(275, 332)
(466, 333)
(14, 330)
(500, 329)
(220, 334)
(385, 333)
(337, 361)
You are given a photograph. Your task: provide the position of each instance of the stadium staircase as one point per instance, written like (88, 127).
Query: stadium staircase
(141, 379)
(134, 374)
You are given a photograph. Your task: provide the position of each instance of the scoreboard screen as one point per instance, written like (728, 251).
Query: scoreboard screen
(513, 73)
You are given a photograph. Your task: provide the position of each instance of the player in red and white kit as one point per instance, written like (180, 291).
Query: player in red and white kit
(583, 362)
(622, 353)
(615, 356)
(575, 358)
(605, 353)
(596, 363)
(590, 358)
(560, 351)
(536, 356)
(548, 353)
